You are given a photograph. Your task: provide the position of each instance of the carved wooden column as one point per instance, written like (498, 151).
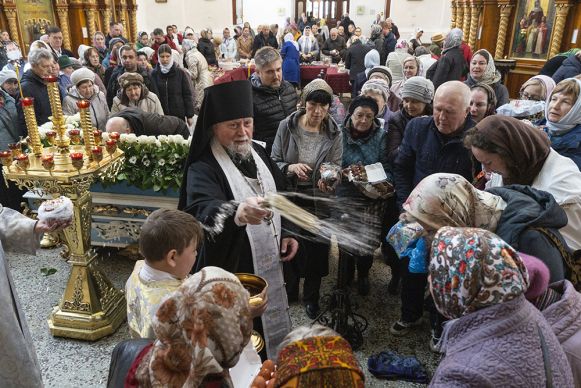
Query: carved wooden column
(132, 10)
(562, 11)
(453, 8)
(121, 17)
(475, 18)
(107, 17)
(91, 11)
(466, 22)
(12, 23)
(459, 14)
(62, 10)
(505, 10)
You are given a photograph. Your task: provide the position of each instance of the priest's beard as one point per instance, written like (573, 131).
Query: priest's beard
(240, 151)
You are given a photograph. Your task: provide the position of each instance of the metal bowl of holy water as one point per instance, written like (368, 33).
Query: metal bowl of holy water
(255, 285)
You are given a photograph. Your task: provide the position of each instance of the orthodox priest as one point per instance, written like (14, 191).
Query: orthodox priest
(226, 169)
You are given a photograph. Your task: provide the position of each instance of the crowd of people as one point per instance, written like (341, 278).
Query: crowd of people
(479, 199)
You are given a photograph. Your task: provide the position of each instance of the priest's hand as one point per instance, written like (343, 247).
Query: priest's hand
(252, 212)
(43, 226)
(288, 248)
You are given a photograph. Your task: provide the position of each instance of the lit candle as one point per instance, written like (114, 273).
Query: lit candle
(77, 160)
(22, 161)
(97, 153)
(111, 146)
(6, 158)
(75, 135)
(114, 136)
(47, 161)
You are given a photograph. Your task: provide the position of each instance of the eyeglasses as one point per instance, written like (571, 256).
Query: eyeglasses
(526, 96)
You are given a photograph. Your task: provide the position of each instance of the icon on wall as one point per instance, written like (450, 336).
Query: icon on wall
(533, 28)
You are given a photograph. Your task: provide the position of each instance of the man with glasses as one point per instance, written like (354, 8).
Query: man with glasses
(55, 41)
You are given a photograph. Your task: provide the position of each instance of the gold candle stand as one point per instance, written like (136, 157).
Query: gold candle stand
(30, 118)
(86, 126)
(58, 119)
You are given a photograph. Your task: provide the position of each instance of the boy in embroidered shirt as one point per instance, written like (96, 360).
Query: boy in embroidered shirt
(168, 241)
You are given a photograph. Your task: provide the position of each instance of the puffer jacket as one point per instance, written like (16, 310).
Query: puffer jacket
(528, 209)
(285, 150)
(570, 68)
(99, 108)
(206, 47)
(34, 86)
(200, 75)
(397, 123)
(10, 132)
(175, 91)
(486, 348)
(450, 67)
(564, 316)
(271, 106)
(568, 144)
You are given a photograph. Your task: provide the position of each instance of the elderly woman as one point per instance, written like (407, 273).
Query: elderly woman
(451, 66)
(479, 281)
(364, 143)
(482, 102)
(483, 71)
(304, 141)
(133, 93)
(563, 114)
(334, 363)
(84, 88)
(378, 89)
(537, 88)
(417, 94)
(201, 329)
(206, 47)
(291, 70)
(308, 46)
(411, 68)
(173, 85)
(199, 73)
(516, 153)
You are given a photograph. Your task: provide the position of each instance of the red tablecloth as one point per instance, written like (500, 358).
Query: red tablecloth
(339, 82)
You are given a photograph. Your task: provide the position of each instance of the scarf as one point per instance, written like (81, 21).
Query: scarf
(490, 76)
(471, 269)
(453, 39)
(450, 200)
(526, 146)
(547, 83)
(201, 330)
(166, 68)
(371, 60)
(290, 38)
(567, 122)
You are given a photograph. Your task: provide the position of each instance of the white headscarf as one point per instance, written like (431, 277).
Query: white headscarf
(290, 38)
(567, 122)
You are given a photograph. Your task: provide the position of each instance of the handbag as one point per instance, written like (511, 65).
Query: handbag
(572, 260)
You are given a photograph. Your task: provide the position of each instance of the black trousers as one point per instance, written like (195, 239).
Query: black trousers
(312, 264)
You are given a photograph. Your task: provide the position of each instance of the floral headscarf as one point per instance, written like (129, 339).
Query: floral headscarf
(491, 75)
(471, 269)
(450, 200)
(201, 330)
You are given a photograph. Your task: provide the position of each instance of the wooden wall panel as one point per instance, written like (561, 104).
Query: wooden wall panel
(489, 26)
(77, 21)
(573, 22)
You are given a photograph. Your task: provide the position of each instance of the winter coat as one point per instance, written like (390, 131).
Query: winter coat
(426, 62)
(285, 150)
(260, 41)
(500, 91)
(499, 346)
(271, 106)
(99, 108)
(425, 151)
(396, 124)
(153, 124)
(206, 47)
(564, 316)
(291, 70)
(201, 76)
(244, 47)
(450, 67)
(568, 144)
(150, 103)
(175, 92)
(113, 85)
(355, 59)
(527, 209)
(337, 44)
(10, 132)
(570, 68)
(34, 86)
(389, 43)
(155, 46)
(313, 50)
(376, 42)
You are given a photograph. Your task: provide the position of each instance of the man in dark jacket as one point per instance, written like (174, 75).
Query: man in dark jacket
(55, 41)
(134, 120)
(263, 39)
(451, 66)
(434, 144)
(115, 31)
(273, 98)
(389, 42)
(128, 56)
(334, 47)
(570, 68)
(33, 85)
(355, 62)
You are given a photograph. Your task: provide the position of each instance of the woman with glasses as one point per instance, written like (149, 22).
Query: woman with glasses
(537, 88)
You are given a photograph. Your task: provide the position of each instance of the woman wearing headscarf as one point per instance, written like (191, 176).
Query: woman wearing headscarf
(308, 46)
(537, 88)
(133, 93)
(395, 60)
(483, 71)
(99, 44)
(173, 85)
(482, 102)
(521, 215)
(291, 70)
(411, 68)
(451, 66)
(201, 329)
(478, 281)
(142, 40)
(516, 153)
(563, 114)
(198, 69)
(91, 62)
(304, 141)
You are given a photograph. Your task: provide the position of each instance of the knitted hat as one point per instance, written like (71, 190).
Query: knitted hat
(382, 70)
(437, 38)
(64, 62)
(378, 85)
(316, 84)
(418, 88)
(363, 101)
(113, 41)
(538, 276)
(6, 75)
(127, 79)
(81, 75)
